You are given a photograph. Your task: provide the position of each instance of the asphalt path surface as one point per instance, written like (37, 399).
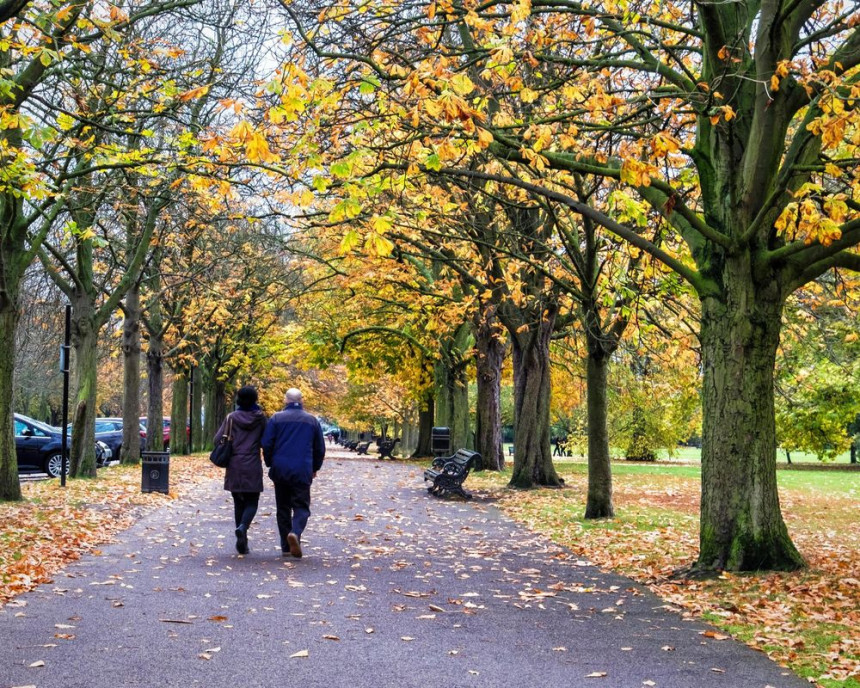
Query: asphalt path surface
(397, 588)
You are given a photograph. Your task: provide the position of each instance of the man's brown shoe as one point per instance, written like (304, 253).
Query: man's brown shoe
(295, 545)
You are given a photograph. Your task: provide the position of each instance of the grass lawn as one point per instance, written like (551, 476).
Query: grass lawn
(809, 621)
(694, 454)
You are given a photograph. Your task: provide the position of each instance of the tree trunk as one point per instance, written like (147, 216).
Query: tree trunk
(452, 400)
(741, 526)
(599, 501)
(131, 379)
(85, 342)
(179, 415)
(491, 346)
(197, 412)
(155, 398)
(10, 487)
(532, 387)
(214, 398)
(425, 428)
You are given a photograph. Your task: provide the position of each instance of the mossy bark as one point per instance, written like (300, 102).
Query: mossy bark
(85, 343)
(10, 487)
(179, 415)
(131, 378)
(532, 387)
(491, 346)
(599, 500)
(741, 526)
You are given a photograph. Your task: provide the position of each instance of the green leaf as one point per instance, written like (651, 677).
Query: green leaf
(341, 169)
(433, 162)
(350, 241)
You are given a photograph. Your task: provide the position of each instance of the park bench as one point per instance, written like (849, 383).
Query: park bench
(386, 447)
(447, 473)
(362, 447)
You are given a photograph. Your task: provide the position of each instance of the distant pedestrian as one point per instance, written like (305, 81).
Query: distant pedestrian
(294, 449)
(244, 474)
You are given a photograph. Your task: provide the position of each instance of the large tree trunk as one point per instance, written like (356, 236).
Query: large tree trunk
(179, 415)
(425, 427)
(85, 342)
(741, 526)
(216, 407)
(452, 399)
(197, 412)
(10, 487)
(532, 388)
(599, 501)
(491, 346)
(131, 379)
(155, 398)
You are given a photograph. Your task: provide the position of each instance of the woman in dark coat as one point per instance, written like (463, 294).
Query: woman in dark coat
(244, 475)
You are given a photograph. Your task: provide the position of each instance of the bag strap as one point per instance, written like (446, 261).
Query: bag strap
(230, 428)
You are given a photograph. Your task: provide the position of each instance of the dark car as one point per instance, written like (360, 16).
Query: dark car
(109, 431)
(39, 447)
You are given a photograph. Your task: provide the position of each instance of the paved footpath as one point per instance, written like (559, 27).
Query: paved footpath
(396, 589)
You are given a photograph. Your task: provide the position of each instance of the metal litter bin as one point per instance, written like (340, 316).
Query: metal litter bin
(155, 471)
(440, 441)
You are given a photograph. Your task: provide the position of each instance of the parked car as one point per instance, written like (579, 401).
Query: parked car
(39, 447)
(109, 431)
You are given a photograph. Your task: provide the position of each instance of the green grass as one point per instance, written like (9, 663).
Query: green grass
(695, 455)
(831, 482)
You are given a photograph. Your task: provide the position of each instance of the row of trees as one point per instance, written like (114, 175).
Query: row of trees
(107, 185)
(544, 151)
(449, 182)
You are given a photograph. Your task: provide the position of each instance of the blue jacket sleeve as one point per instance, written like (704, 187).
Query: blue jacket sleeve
(318, 448)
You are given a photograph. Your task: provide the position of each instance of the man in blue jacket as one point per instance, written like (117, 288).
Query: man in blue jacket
(294, 449)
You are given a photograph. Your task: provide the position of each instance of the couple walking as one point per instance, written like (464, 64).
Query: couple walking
(293, 449)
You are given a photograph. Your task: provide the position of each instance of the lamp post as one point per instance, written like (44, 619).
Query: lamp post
(65, 351)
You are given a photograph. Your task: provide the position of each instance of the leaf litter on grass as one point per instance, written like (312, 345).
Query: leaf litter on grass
(53, 525)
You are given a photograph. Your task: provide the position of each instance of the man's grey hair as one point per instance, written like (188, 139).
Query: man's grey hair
(294, 395)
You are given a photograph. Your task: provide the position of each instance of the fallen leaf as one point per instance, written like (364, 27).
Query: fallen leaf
(718, 671)
(299, 654)
(596, 674)
(435, 608)
(218, 617)
(715, 635)
(37, 664)
(330, 637)
(667, 648)
(407, 638)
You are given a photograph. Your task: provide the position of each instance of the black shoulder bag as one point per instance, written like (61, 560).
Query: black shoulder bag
(223, 450)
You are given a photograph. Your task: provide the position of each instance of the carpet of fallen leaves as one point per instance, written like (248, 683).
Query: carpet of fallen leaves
(54, 525)
(808, 621)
